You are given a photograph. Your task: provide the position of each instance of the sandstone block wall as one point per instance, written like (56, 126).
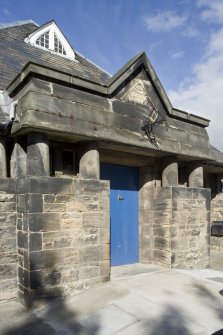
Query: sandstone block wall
(217, 215)
(191, 234)
(146, 223)
(175, 226)
(63, 236)
(8, 245)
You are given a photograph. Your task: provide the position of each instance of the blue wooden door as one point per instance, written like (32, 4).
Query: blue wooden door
(124, 212)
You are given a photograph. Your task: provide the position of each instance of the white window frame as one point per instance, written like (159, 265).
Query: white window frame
(53, 29)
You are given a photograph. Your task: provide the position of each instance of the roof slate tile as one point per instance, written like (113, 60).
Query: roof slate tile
(15, 54)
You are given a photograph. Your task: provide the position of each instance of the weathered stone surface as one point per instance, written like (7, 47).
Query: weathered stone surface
(48, 185)
(68, 235)
(178, 224)
(71, 221)
(182, 193)
(7, 207)
(45, 259)
(75, 206)
(170, 172)
(90, 220)
(70, 256)
(8, 257)
(8, 243)
(7, 197)
(88, 272)
(216, 216)
(196, 176)
(54, 207)
(8, 271)
(88, 254)
(55, 240)
(36, 280)
(18, 166)
(35, 241)
(3, 165)
(37, 155)
(105, 252)
(89, 167)
(162, 218)
(44, 222)
(162, 257)
(22, 238)
(22, 203)
(105, 268)
(35, 203)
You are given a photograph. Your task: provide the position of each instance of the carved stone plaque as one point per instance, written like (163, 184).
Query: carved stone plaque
(137, 94)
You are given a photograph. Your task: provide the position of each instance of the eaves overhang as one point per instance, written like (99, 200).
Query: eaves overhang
(107, 90)
(34, 69)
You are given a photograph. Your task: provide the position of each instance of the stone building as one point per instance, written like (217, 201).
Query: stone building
(96, 170)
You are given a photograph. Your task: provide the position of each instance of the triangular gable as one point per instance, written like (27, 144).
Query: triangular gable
(114, 85)
(125, 75)
(49, 37)
(138, 91)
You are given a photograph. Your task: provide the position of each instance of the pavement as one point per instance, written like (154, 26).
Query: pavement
(139, 300)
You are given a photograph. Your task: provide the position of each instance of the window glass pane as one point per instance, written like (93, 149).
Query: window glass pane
(58, 47)
(43, 40)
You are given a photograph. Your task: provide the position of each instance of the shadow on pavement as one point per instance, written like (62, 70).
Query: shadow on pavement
(210, 299)
(172, 322)
(54, 318)
(219, 332)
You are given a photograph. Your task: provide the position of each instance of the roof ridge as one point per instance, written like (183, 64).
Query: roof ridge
(123, 69)
(17, 23)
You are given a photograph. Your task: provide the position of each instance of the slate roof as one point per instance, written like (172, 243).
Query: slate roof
(15, 54)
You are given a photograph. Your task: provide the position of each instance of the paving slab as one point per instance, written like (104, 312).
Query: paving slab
(107, 320)
(148, 302)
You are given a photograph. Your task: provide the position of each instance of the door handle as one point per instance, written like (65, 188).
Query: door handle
(120, 197)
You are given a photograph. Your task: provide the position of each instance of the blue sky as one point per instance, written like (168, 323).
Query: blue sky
(182, 38)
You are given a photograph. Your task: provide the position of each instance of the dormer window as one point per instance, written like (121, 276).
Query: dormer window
(43, 40)
(58, 47)
(49, 37)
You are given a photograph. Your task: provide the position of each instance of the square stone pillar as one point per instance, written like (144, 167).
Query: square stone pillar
(175, 227)
(149, 178)
(89, 167)
(3, 162)
(196, 175)
(170, 172)
(63, 235)
(38, 161)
